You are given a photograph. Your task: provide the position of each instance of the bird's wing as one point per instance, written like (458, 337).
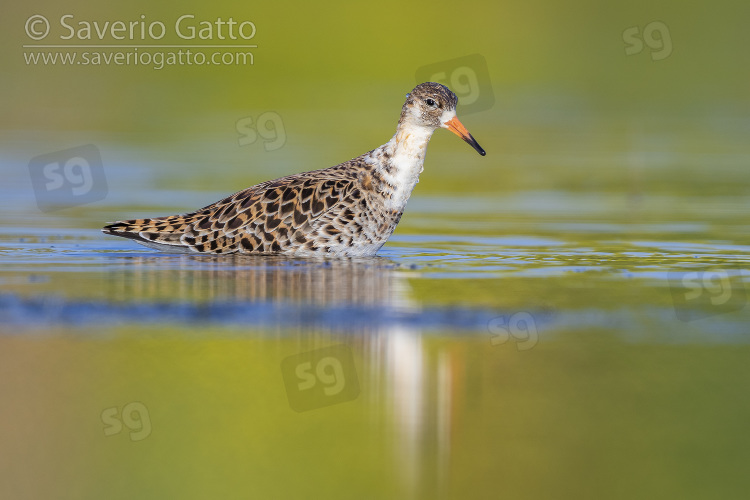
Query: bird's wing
(269, 217)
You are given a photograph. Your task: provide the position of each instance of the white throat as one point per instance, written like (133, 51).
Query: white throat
(407, 150)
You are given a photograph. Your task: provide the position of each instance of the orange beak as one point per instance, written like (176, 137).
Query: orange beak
(458, 128)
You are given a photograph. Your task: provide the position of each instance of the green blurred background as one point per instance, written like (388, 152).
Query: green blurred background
(336, 74)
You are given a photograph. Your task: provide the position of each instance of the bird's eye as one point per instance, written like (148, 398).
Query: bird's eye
(430, 102)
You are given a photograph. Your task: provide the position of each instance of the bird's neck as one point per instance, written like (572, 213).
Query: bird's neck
(401, 160)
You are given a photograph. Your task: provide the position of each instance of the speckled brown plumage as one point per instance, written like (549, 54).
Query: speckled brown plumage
(347, 210)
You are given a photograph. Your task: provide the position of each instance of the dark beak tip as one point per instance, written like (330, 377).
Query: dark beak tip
(474, 144)
(479, 149)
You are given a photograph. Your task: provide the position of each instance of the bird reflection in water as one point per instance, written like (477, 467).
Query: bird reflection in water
(399, 374)
(199, 279)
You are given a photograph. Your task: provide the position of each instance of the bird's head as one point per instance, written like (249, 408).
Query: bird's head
(433, 105)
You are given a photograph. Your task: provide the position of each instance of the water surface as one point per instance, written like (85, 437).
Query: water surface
(497, 339)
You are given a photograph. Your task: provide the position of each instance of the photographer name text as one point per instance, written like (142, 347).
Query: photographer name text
(185, 27)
